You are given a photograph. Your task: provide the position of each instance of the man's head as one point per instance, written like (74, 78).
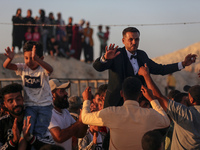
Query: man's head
(51, 15)
(100, 28)
(144, 103)
(152, 140)
(181, 98)
(70, 19)
(27, 49)
(18, 12)
(172, 94)
(75, 103)
(194, 95)
(131, 38)
(60, 95)
(29, 13)
(102, 91)
(59, 16)
(13, 99)
(96, 98)
(131, 88)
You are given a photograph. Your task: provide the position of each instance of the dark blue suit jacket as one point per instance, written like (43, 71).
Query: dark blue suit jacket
(120, 68)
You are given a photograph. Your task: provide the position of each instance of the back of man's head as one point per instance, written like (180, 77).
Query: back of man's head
(195, 93)
(102, 88)
(152, 140)
(172, 94)
(179, 97)
(11, 88)
(29, 45)
(131, 88)
(130, 29)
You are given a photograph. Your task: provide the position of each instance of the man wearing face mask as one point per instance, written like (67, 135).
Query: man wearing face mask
(62, 125)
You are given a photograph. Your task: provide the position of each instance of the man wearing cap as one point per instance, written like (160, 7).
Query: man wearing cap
(186, 134)
(62, 125)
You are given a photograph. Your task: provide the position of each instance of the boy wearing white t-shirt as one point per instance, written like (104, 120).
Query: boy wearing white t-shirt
(35, 78)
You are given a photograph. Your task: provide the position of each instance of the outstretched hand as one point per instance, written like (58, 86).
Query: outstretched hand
(87, 95)
(111, 52)
(34, 55)
(26, 128)
(95, 137)
(15, 130)
(9, 53)
(189, 59)
(147, 93)
(144, 70)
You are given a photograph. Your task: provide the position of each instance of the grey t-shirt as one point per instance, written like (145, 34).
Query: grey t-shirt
(186, 134)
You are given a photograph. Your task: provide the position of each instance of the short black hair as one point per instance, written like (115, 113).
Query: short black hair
(130, 29)
(11, 88)
(195, 93)
(131, 88)
(30, 11)
(152, 140)
(29, 45)
(100, 27)
(102, 89)
(173, 93)
(178, 97)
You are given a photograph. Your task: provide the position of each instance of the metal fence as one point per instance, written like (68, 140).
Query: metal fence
(76, 88)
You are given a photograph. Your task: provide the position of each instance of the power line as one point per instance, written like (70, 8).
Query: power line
(113, 25)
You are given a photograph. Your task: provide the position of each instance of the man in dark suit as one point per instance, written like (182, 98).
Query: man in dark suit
(126, 61)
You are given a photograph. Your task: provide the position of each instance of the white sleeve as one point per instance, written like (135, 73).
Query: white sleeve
(20, 68)
(180, 66)
(91, 118)
(164, 119)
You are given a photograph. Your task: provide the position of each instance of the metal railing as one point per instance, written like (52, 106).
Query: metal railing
(76, 88)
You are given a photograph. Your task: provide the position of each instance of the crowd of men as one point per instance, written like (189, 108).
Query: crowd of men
(58, 38)
(128, 113)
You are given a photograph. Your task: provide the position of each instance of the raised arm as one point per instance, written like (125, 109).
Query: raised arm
(88, 117)
(189, 59)
(143, 71)
(77, 129)
(10, 55)
(104, 62)
(41, 62)
(163, 118)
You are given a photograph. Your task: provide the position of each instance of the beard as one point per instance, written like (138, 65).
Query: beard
(61, 102)
(18, 113)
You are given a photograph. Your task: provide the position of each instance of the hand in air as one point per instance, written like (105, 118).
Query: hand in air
(144, 70)
(111, 51)
(87, 95)
(9, 53)
(34, 55)
(189, 59)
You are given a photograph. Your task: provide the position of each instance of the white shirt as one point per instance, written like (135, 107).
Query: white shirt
(37, 91)
(127, 123)
(134, 62)
(62, 120)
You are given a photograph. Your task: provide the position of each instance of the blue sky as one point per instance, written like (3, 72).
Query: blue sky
(156, 40)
